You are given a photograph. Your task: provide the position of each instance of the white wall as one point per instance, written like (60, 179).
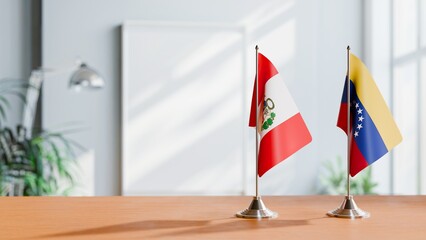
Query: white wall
(15, 48)
(305, 39)
(378, 57)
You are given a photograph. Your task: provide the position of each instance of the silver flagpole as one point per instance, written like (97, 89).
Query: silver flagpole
(348, 208)
(257, 121)
(257, 208)
(348, 129)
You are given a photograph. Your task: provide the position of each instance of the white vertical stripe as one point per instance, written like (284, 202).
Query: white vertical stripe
(284, 106)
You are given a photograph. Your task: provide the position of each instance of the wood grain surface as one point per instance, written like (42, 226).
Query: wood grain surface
(300, 217)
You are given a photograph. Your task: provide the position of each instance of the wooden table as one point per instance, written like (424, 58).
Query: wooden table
(392, 217)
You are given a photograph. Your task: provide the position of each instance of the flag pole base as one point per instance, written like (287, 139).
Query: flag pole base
(257, 209)
(348, 209)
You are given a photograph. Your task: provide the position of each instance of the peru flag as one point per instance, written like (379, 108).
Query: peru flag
(281, 127)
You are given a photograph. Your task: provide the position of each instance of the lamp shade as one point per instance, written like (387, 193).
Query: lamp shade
(86, 77)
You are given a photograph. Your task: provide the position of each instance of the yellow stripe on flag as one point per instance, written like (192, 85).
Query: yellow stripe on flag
(373, 102)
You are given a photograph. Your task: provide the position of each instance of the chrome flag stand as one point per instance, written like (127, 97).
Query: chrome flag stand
(348, 208)
(257, 208)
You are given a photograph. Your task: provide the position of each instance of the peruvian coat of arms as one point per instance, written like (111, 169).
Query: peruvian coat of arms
(268, 116)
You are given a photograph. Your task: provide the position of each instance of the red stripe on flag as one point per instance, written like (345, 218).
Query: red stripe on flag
(266, 70)
(358, 161)
(282, 141)
(342, 119)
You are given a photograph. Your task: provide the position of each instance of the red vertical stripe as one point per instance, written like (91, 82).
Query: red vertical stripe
(266, 70)
(342, 119)
(282, 141)
(358, 161)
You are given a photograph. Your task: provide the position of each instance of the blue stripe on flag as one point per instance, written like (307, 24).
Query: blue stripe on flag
(365, 133)
(345, 91)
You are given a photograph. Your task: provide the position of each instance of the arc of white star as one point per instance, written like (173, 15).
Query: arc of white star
(360, 118)
(356, 134)
(359, 126)
(357, 105)
(360, 111)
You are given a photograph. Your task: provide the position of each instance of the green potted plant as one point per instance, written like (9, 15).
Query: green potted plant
(333, 180)
(41, 164)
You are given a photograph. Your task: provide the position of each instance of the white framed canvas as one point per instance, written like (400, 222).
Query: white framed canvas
(184, 108)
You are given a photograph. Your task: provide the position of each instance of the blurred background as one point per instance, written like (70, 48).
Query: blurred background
(172, 115)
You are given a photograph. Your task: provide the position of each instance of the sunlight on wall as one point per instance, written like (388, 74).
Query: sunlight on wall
(207, 50)
(405, 21)
(283, 40)
(267, 13)
(405, 107)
